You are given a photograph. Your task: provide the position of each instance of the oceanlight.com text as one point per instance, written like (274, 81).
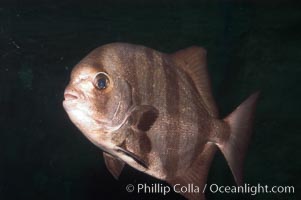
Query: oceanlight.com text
(250, 189)
(159, 188)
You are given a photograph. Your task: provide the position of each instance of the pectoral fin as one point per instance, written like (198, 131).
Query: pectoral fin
(114, 165)
(143, 117)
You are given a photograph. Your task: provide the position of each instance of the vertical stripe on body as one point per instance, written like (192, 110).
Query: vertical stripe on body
(194, 124)
(172, 136)
(128, 61)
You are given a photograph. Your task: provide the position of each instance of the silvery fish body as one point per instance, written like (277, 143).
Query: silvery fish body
(156, 113)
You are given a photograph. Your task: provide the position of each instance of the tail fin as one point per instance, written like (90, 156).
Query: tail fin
(240, 122)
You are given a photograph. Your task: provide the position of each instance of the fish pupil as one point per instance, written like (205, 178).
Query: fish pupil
(102, 83)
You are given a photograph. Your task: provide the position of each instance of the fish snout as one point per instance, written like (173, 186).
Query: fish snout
(70, 94)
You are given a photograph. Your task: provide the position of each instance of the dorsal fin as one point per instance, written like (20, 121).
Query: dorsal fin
(193, 61)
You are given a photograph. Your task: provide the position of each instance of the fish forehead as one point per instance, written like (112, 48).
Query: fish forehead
(83, 71)
(91, 64)
(121, 58)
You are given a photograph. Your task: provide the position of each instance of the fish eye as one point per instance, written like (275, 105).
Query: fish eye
(101, 81)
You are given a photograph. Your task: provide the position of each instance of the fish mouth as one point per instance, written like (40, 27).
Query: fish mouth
(70, 96)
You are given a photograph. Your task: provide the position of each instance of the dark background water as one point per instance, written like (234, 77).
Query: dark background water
(250, 46)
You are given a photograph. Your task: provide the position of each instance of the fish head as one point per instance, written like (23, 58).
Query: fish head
(98, 98)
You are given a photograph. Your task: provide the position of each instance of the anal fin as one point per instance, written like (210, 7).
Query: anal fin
(196, 176)
(114, 165)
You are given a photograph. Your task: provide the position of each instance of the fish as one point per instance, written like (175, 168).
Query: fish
(156, 112)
